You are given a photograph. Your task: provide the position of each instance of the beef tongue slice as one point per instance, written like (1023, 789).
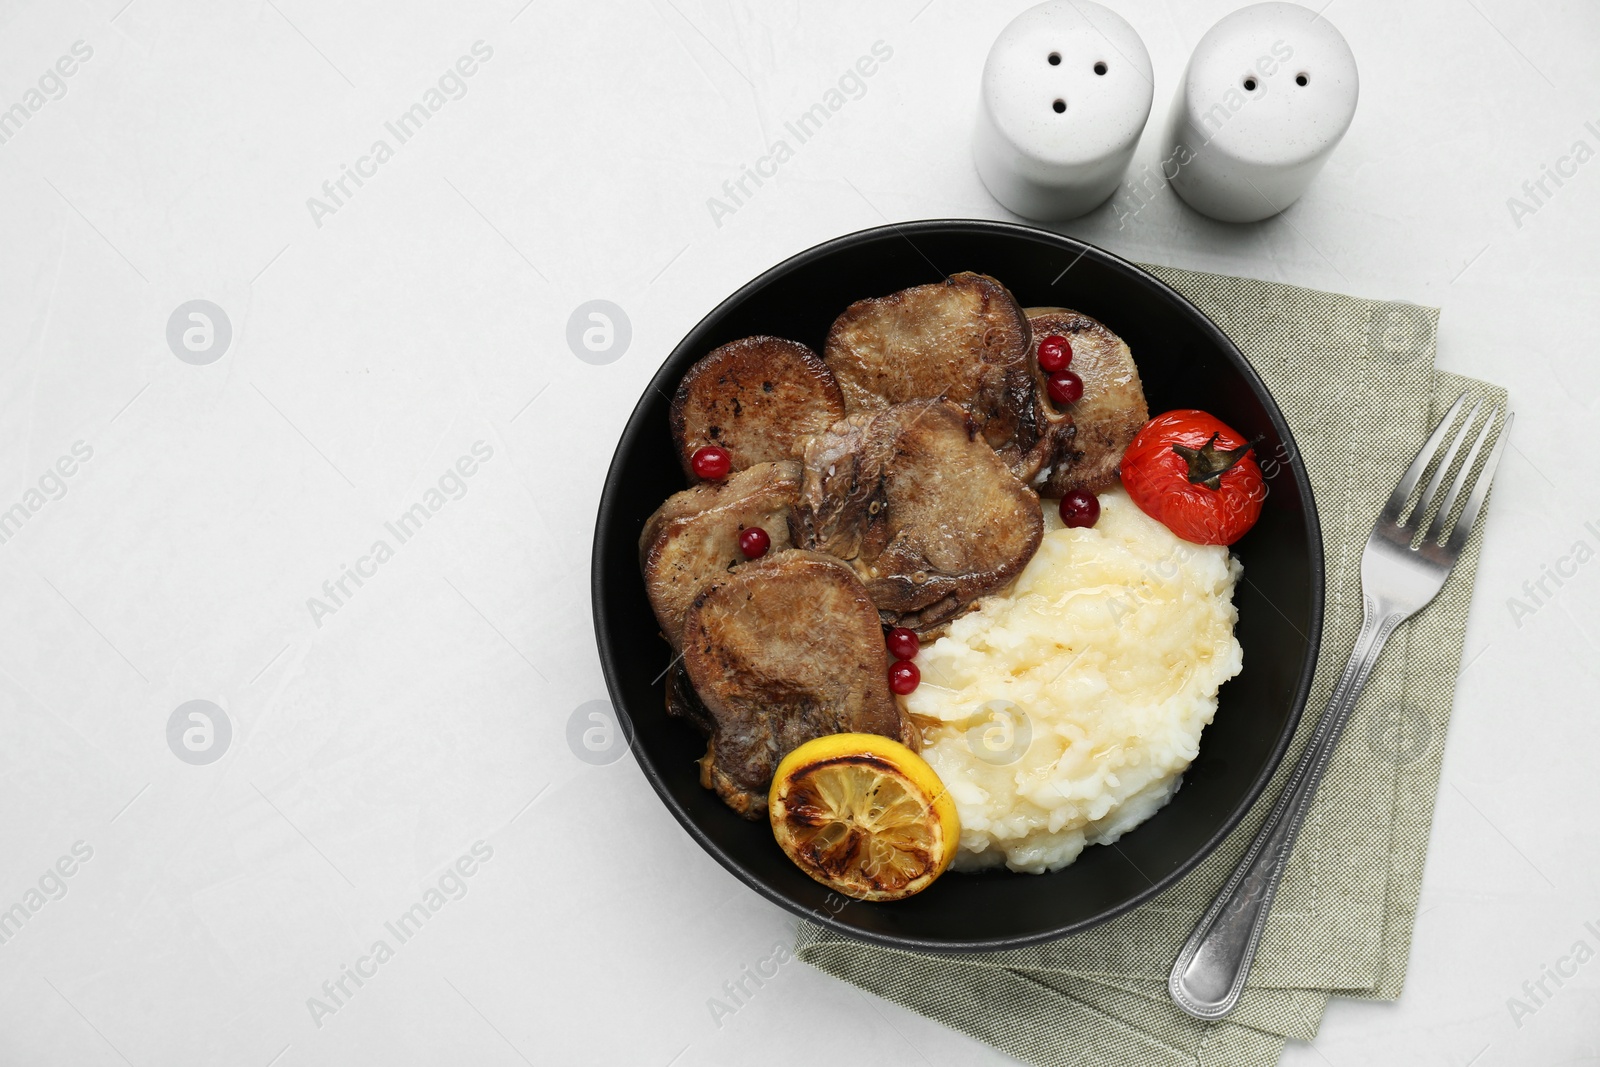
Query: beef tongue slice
(757, 398)
(785, 649)
(693, 538)
(1111, 410)
(964, 339)
(926, 514)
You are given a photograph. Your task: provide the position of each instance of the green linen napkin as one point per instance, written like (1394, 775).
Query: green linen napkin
(1356, 381)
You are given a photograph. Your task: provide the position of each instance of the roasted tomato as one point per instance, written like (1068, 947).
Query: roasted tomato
(1195, 475)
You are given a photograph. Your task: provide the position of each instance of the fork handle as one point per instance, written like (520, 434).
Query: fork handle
(1210, 972)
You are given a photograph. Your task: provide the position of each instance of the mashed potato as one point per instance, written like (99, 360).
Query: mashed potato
(1065, 713)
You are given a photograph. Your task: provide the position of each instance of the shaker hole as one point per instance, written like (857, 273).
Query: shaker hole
(1301, 78)
(1100, 68)
(1055, 59)
(1249, 85)
(1060, 106)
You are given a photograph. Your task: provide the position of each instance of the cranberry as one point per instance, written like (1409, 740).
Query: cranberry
(903, 677)
(1080, 508)
(754, 542)
(1065, 387)
(712, 462)
(1055, 352)
(903, 643)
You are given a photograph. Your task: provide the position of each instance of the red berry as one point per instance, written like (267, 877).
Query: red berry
(903, 643)
(1055, 352)
(1065, 387)
(903, 677)
(1080, 508)
(712, 462)
(754, 542)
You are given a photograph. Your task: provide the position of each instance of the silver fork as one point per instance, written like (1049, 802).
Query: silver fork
(1397, 581)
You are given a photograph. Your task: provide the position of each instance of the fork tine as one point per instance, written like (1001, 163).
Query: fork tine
(1431, 493)
(1413, 474)
(1449, 500)
(1480, 490)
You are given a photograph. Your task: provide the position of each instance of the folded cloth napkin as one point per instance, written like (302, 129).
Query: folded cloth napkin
(1356, 381)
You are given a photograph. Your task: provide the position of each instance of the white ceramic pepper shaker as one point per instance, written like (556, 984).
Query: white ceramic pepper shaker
(1268, 94)
(1066, 92)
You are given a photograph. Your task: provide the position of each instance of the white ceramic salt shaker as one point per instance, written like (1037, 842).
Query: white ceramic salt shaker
(1268, 94)
(1066, 92)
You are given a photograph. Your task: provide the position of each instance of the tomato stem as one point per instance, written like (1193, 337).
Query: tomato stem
(1208, 463)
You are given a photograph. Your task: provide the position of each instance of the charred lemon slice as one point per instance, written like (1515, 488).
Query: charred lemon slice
(863, 815)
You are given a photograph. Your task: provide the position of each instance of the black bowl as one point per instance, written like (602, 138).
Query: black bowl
(1185, 361)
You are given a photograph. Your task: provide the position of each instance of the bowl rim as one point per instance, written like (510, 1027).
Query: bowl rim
(611, 661)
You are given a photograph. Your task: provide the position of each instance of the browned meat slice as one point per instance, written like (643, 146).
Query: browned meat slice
(1112, 407)
(925, 512)
(961, 338)
(693, 538)
(788, 648)
(964, 339)
(757, 398)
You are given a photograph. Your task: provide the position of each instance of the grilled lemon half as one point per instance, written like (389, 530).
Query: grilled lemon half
(863, 815)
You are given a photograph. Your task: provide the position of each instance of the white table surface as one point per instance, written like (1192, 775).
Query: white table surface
(375, 745)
